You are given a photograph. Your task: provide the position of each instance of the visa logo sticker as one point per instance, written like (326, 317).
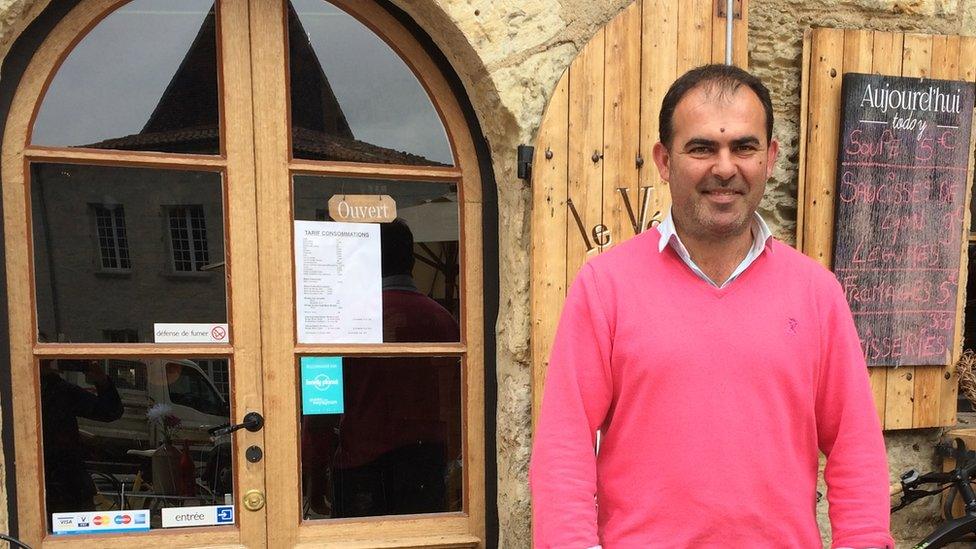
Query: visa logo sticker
(322, 391)
(206, 515)
(100, 522)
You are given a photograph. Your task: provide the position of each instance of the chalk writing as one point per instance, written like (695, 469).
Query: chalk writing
(901, 188)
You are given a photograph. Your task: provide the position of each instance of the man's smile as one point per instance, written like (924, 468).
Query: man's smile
(722, 195)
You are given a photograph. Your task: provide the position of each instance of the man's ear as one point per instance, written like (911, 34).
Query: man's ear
(662, 158)
(772, 152)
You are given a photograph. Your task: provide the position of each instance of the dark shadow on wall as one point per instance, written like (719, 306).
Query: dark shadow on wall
(12, 70)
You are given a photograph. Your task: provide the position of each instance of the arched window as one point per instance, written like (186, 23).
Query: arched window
(216, 210)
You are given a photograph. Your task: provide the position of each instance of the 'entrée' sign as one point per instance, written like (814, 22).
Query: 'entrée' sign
(901, 191)
(362, 208)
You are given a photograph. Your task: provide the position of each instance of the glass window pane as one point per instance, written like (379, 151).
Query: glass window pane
(108, 263)
(353, 98)
(395, 449)
(133, 433)
(419, 252)
(145, 78)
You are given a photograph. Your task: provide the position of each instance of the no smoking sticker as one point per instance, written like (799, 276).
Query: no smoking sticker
(189, 333)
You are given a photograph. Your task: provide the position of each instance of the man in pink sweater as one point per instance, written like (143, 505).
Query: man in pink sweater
(715, 362)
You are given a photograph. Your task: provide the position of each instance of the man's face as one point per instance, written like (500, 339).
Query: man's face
(718, 162)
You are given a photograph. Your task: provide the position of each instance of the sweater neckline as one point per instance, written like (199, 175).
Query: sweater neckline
(702, 285)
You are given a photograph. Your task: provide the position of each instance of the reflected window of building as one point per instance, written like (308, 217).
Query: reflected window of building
(128, 374)
(218, 372)
(189, 387)
(188, 238)
(166, 225)
(112, 244)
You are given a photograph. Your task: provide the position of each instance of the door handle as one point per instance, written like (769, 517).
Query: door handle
(253, 422)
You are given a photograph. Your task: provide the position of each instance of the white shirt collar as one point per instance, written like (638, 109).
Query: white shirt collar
(761, 240)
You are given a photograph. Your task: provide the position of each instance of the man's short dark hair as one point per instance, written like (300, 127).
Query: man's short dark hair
(722, 79)
(396, 248)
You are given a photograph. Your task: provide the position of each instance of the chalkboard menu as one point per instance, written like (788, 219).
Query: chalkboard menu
(901, 189)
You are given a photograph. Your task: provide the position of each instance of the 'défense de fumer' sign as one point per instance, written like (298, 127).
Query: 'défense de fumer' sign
(901, 190)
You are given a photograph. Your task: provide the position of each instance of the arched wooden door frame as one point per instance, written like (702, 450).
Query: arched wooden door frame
(263, 164)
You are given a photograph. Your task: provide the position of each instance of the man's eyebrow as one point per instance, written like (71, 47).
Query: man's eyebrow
(700, 142)
(750, 140)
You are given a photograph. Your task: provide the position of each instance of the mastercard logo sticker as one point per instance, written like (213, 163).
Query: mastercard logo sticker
(123, 519)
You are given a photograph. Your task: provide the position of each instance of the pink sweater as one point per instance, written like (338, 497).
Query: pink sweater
(713, 404)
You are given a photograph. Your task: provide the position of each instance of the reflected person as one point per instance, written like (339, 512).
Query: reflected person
(67, 481)
(389, 452)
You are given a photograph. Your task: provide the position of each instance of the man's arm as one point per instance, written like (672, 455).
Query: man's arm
(105, 405)
(578, 391)
(849, 434)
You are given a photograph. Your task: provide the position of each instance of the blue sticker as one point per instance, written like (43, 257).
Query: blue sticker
(225, 514)
(322, 385)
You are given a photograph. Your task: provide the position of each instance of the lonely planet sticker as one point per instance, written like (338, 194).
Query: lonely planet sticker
(322, 385)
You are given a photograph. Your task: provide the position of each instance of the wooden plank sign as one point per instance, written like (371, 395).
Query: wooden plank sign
(362, 208)
(901, 191)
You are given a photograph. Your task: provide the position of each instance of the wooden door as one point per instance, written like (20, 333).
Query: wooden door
(278, 161)
(594, 181)
(88, 321)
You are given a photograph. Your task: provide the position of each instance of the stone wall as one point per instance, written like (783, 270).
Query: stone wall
(509, 55)
(776, 44)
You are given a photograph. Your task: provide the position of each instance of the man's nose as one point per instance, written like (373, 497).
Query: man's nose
(724, 167)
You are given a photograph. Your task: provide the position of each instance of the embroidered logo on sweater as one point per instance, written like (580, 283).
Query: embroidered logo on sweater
(791, 325)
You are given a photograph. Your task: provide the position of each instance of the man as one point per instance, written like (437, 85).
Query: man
(68, 483)
(715, 361)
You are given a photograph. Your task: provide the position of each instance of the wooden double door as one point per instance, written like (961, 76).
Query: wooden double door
(159, 159)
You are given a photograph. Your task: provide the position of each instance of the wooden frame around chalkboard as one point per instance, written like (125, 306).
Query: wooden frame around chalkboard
(909, 396)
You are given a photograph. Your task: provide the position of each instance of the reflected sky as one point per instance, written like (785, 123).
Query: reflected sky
(381, 98)
(111, 82)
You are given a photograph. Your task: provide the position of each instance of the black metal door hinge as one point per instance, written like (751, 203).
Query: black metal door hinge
(524, 162)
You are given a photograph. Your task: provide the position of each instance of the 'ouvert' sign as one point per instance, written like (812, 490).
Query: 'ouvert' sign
(362, 208)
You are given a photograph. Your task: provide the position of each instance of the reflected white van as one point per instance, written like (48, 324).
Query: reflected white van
(179, 384)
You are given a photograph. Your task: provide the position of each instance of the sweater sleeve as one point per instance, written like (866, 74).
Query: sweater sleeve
(577, 396)
(849, 433)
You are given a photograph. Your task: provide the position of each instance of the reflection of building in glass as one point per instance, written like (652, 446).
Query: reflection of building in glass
(163, 277)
